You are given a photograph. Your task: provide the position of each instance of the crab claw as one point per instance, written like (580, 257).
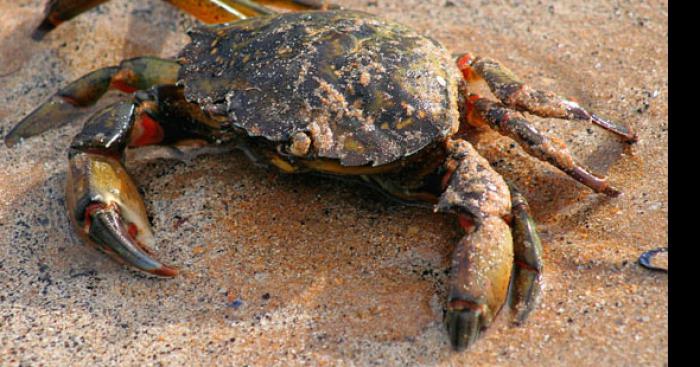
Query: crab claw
(478, 285)
(464, 321)
(108, 212)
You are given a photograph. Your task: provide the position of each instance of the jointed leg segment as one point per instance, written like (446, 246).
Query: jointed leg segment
(103, 202)
(134, 74)
(505, 117)
(515, 94)
(514, 125)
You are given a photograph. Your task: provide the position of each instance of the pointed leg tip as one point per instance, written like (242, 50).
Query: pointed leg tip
(624, 132)
(628, 135)
(526, 293)
(38, 34)
(612, 192)
(10, 141)
(521, 314)
(16, 135)
(165, 271)
(44, 28)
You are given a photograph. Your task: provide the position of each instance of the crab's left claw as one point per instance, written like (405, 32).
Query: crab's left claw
(107, 211)
(103, 202)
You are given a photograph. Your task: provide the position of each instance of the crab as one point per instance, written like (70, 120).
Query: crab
(337, 92)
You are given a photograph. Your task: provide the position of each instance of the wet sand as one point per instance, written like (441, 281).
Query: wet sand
(297, 270)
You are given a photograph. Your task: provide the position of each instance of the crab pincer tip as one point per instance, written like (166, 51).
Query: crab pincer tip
(623, 131)
(164, 271)
(612, 192)
(45, 27)
(10, 141)
(109, 233)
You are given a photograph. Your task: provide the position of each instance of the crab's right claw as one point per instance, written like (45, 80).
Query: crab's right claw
(211, 11)
(108, 212)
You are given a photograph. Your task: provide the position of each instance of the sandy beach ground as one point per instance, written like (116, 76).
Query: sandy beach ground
(295, 270)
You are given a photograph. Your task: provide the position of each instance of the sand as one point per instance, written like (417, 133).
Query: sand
(295, 270)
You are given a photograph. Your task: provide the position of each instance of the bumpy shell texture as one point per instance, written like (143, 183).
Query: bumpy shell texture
(365, 90)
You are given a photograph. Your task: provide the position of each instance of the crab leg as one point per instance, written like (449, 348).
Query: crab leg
(208, 11)
(481, 111)
(482, 261)
(516, 94)
(68, 102)
(527, 272)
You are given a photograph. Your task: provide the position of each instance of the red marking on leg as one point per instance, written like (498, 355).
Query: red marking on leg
(473, 116)
(466, 223)
(146, 131)
(132, 230)
(464, 65)
(123, 86)
(89, 210)
(462, 304)
(165, 271)
(124, 80)
(470, 103)
(70, 100)
(508, 218)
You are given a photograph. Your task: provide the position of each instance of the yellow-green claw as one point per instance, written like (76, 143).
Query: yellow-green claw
(107, 212)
